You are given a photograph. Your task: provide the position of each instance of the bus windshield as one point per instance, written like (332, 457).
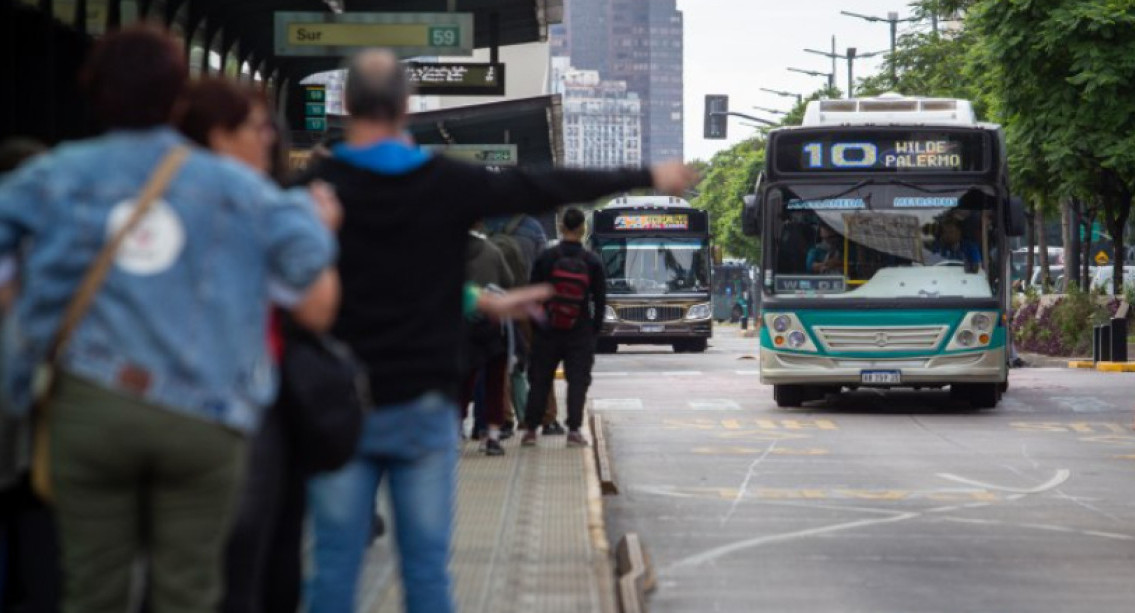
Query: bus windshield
(885, 241)
(646, 265)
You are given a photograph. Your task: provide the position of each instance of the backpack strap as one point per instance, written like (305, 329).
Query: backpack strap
(513, 224)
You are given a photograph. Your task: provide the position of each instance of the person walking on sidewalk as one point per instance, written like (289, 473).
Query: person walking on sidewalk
(403, 243)
(168, 370)
(575, 317)
(486, 350)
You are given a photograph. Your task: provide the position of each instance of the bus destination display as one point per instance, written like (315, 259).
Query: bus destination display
(880, 152)
(652, 222)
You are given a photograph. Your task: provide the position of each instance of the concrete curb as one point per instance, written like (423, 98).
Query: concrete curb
(597, 528)
(636, 575)
(1115, 366)
(602, 457)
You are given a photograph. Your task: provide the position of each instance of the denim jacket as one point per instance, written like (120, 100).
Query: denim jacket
(181, 319)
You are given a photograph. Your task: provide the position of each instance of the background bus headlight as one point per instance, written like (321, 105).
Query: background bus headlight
(966, 338)
(796, 339)
(699, 311)
(610, 315)
(780, 323)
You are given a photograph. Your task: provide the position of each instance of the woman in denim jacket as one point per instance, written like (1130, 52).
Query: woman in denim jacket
(169, 369)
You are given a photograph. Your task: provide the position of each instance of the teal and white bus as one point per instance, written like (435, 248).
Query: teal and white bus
(885, 262)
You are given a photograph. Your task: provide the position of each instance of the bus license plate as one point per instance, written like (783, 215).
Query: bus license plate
(653, 328)
(876, 377)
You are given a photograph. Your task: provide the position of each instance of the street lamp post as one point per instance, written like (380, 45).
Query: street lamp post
(768, 110)
(830, 76)
(799, 97)
(850, 56)
(893, 19)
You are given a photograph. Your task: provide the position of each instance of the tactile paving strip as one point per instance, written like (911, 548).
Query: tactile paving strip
(522, 542)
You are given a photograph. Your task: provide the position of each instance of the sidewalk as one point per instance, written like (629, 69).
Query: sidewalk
(529, 536)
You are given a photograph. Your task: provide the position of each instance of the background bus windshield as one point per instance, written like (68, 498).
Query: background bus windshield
(655, 265)
(878, 243)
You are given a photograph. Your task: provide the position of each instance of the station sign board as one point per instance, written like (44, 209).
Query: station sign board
(486, 155)
(315, 108)
(457, 79)
(407, 34)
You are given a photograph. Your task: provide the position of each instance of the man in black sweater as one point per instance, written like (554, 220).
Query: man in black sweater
(573, 341)
(402, 263)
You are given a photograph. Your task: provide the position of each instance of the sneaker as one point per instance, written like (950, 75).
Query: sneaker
(493, 447)
(529, 439)
(554, 429)
(575, 439)
(507, 431)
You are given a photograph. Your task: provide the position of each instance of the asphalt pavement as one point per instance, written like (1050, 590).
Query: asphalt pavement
(872, 502)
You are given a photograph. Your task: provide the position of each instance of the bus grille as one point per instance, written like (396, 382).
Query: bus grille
(895, 338)
(641, 313)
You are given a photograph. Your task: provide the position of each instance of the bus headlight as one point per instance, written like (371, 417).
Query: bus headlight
(780, 323)
(700, 311)
(786, 331)
(966, 338)
(610, 315)
(974, 332)
(982, 322)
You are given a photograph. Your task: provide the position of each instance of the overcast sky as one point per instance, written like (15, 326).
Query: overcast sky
(736, 47)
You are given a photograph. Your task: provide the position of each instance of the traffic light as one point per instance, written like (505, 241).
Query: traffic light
(716, 124)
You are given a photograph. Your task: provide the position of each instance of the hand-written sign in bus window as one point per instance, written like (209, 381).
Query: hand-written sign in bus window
(652, 222)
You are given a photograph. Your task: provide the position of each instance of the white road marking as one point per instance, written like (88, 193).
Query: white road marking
(745, 483)
(599, 375)
(617, 404)
(1083, 404)
(716, 404)
(1060, 477)
(676, 373)
(748, 373)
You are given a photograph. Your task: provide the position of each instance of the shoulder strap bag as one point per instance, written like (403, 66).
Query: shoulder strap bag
(46, 374)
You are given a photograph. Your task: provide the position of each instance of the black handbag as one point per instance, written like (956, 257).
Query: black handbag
(324, 396)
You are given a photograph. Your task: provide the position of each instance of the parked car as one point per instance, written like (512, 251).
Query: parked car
(1102, 278)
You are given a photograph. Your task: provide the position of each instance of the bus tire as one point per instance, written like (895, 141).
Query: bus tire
(978, 395)
(606, 346)
(787, 396)
(697, 345)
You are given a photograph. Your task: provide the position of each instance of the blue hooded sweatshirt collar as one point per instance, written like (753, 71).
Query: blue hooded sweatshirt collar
(388, 157)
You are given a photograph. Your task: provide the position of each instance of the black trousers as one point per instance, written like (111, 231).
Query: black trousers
(263, 568)
(576, 348)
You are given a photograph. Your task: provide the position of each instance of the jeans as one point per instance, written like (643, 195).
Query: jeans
(414, 445)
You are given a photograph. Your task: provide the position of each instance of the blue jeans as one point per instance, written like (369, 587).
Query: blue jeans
(415, 446)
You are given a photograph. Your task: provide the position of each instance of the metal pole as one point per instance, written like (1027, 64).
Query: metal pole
(831, 81)
(850, 76)
(894, 19)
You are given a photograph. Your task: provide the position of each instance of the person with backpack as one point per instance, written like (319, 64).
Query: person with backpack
(574, 319)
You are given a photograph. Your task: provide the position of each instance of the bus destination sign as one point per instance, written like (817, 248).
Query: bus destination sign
(881, 152)
(652, 222)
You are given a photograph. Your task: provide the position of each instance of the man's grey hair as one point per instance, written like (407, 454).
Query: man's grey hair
(377, 86)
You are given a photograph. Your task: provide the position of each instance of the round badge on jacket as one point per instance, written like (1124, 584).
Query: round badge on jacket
(154, 244)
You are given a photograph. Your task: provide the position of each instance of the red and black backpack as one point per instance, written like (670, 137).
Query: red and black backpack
(571, 279)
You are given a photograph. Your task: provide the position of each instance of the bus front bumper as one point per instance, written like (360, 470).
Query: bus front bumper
(779, 368)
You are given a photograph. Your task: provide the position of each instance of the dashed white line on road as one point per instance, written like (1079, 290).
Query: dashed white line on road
(715, 404)
(617, 404)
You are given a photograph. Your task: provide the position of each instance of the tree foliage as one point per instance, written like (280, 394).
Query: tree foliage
(730, 175)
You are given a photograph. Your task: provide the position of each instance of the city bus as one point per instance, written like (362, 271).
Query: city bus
(884, 223)
(732, 291)
(657, 256)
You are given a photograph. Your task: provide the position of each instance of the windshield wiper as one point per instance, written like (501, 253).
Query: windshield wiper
(866, 182)
(859, 185)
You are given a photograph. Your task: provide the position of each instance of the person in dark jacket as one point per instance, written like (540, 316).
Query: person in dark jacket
(575, 346)
(487, 350)
(407, 216)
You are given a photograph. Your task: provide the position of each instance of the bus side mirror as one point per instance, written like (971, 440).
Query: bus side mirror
(750, 215)
(1015, 217)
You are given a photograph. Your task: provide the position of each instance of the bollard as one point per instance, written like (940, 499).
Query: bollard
(1118, 340)
(1097, 343)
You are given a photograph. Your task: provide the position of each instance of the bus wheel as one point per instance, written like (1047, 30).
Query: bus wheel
(604, 346)
(697, 345)
(979, 395)
(788, 395)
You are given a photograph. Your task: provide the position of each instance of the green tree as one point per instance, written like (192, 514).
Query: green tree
(730, 175)
(1062, 73)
